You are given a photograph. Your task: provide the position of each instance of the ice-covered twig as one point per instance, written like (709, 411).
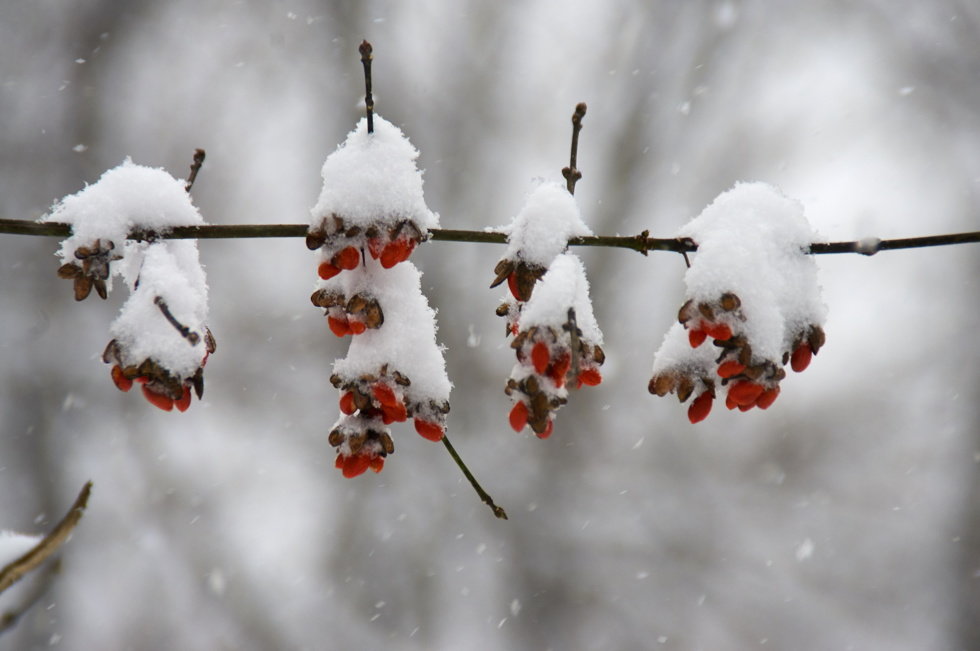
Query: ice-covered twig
(16, 569)
(572, 173)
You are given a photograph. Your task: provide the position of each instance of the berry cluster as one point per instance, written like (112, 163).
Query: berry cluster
(94, 270)
(161, 387)
(751, 380)
(521, 277)
(342, 243)
(545, 365)
(349, 316)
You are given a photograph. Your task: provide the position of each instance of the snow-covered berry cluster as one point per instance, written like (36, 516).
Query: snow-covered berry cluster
(752, 290)
(370, 216)
(160, 338)
(556, 337)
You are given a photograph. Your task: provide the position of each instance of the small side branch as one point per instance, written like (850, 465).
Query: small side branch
(572, 326)
(366, 57)
(185, 332)
(50, 544)
(572, 173)
(497, 510)
(195, 168)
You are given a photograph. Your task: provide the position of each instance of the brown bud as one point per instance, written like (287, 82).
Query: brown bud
(662, 384)
(706, 311)
(502, 270)
(83, 287)
(335, 438)
(816, 338)
(729, 302)
(685, 387)
(686, 313)
(387, 445)
(69, 270)
(356, 441)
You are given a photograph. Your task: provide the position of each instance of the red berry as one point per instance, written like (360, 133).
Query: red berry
(767, 398)
(540, 357)
(385, 395)
(745, 393)
(548, 430)
(589, 376)
(377, 463)
(375, 247)
(512, 284)
(428, 430)
(356, 327)
(347, 403)
(327, 270)
(696, 337)
(395, 252)
(339, 327)
(338, 462)
(348, 258)
(393, 414)
(801, 357)
(165, 403)
(184, 401)
(730, 368)
(518, 416)
(719, 331)
(122, 382)
(700, 407)
(356, 465)
(746, 407)
(730, 402)
(560, 369)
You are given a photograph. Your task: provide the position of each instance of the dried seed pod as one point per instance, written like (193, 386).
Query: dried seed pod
(361, 401)
(335, 438)
(503, 269)
(706, 311)
(729, 302)
(83, 287)
(685, 387)
(662, 384)
(356, 441)
(816, 338)
(387, 445)
(686, 313)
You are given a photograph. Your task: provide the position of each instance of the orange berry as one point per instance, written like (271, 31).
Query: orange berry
(356, 465)
(746, 407)
(589, 376)
(393, 414)
(696, 337)
(801, 357)
(540, 357)
(347, 403)
(730, 368)
(348, 258)
(730, 402)
(356, 327)
(184, 401)
(338, 462)
(767, 398)
(518, 416)
(700, 407)
(375, 247)
(376, 463)
(745, 392)
(384, 394)
(560, 369)
(165, 403)
(122, 382)
(512, 284)
(548, 430)
(339, 327)
(428, 430)
(719, 331)
(395, 252)
(327, 270)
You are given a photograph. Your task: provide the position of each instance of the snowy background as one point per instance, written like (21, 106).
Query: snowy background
(845, 517)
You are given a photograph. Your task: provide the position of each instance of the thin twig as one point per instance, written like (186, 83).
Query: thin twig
(640, 243)
(184, 331)
(572, 173)
(497, 510)
(572, 327)
(195, 168)
(42, 584)
(16, 569)
(366, 57)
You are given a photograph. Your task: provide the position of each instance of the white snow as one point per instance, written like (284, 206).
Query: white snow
(541, 230)
(13, 545)
(407, 339)
(752, 241)
(372, 177)
(171, 271)
(563, 286)
(125, 198)
(676, 353)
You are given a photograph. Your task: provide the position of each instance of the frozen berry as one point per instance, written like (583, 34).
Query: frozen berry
(165, 403)
(122, 382)
(184, 401)
(518, 416)
(348, 258)
(385, 395)
(767, 398)
(428, 430)
(744, 392)
(327, 270)
(696, 337)
(339, 327)
(590, 377)
(730, 368)
(540, 357)
(719, 331)
(801, 357)
(347, 403)
(548, 430)
(356, 465)
(700, 407)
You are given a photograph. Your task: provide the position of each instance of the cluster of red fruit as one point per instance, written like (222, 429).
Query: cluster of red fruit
(161, 387)
(538, 383)
(349, 316)
(344, 244)
(751, 380)
(93, 271)
(370, 403)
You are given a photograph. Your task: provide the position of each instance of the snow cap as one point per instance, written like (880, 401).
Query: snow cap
(541, 230)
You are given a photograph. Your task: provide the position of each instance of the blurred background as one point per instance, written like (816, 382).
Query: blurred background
(845, 517)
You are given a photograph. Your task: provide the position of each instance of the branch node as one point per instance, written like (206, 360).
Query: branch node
(192, 337)
(195, 168)
(572, 173)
